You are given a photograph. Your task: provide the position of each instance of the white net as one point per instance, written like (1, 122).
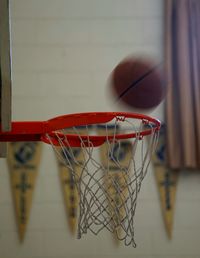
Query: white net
(108, 178)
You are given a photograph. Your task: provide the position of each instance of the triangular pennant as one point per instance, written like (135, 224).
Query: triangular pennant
(23, 161)
(166, 181)
(116, 178)
(74, 159)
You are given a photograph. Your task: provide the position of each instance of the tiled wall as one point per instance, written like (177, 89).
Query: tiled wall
(63, 53)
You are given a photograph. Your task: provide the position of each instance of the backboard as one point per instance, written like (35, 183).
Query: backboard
(5, 71)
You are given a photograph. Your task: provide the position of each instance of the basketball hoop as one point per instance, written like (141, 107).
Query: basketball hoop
(97, 207)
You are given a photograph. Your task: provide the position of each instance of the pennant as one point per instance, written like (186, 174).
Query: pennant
(166, 182)
(116, 178)
(75, 157)
(23, 161)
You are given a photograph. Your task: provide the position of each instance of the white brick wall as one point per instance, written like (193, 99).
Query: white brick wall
(63, 53)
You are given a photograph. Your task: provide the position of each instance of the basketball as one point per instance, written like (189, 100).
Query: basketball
(138, 83)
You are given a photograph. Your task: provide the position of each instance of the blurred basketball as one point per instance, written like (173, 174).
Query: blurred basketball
(138, 83)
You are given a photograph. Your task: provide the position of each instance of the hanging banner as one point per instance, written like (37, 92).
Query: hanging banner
(166, 182)
(116, 178)
(73, 161)
(23, 161)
